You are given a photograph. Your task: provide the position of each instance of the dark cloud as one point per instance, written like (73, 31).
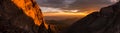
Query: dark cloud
(51, 3)
(74, 4)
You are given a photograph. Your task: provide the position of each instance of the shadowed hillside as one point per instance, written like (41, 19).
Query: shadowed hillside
(105, 21)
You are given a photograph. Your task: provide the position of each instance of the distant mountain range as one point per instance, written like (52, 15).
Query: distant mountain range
(105, 21)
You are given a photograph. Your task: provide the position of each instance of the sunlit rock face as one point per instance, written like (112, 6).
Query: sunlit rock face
(31, 9)
(105, 21)
(21, 16)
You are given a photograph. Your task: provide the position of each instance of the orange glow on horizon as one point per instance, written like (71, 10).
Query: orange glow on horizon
(62, 14)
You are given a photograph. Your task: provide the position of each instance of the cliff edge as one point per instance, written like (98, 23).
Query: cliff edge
(21, 16)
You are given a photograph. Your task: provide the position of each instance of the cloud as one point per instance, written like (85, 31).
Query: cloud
(74, 4)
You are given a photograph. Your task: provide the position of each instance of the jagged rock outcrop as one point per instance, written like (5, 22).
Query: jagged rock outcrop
(105, 21)
(30, 8)
(20, 16)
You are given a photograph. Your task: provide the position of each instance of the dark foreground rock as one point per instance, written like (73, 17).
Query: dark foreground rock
(22, 17)
(105, 21)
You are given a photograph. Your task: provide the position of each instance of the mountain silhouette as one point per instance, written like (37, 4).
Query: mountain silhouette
(107, 20)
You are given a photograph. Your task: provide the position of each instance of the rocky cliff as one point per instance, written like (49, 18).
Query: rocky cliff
(105, 21)
(21, 16)
(31, 9)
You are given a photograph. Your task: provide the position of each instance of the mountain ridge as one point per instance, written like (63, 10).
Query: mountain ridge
(105, 21)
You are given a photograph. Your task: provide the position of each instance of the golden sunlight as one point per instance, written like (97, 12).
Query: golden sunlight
(64, 13)
(27, 8)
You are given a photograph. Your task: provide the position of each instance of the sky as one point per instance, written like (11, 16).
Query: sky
(73, 5)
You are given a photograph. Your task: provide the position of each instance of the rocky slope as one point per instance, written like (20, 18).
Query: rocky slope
(105, 21)
(21, 16)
